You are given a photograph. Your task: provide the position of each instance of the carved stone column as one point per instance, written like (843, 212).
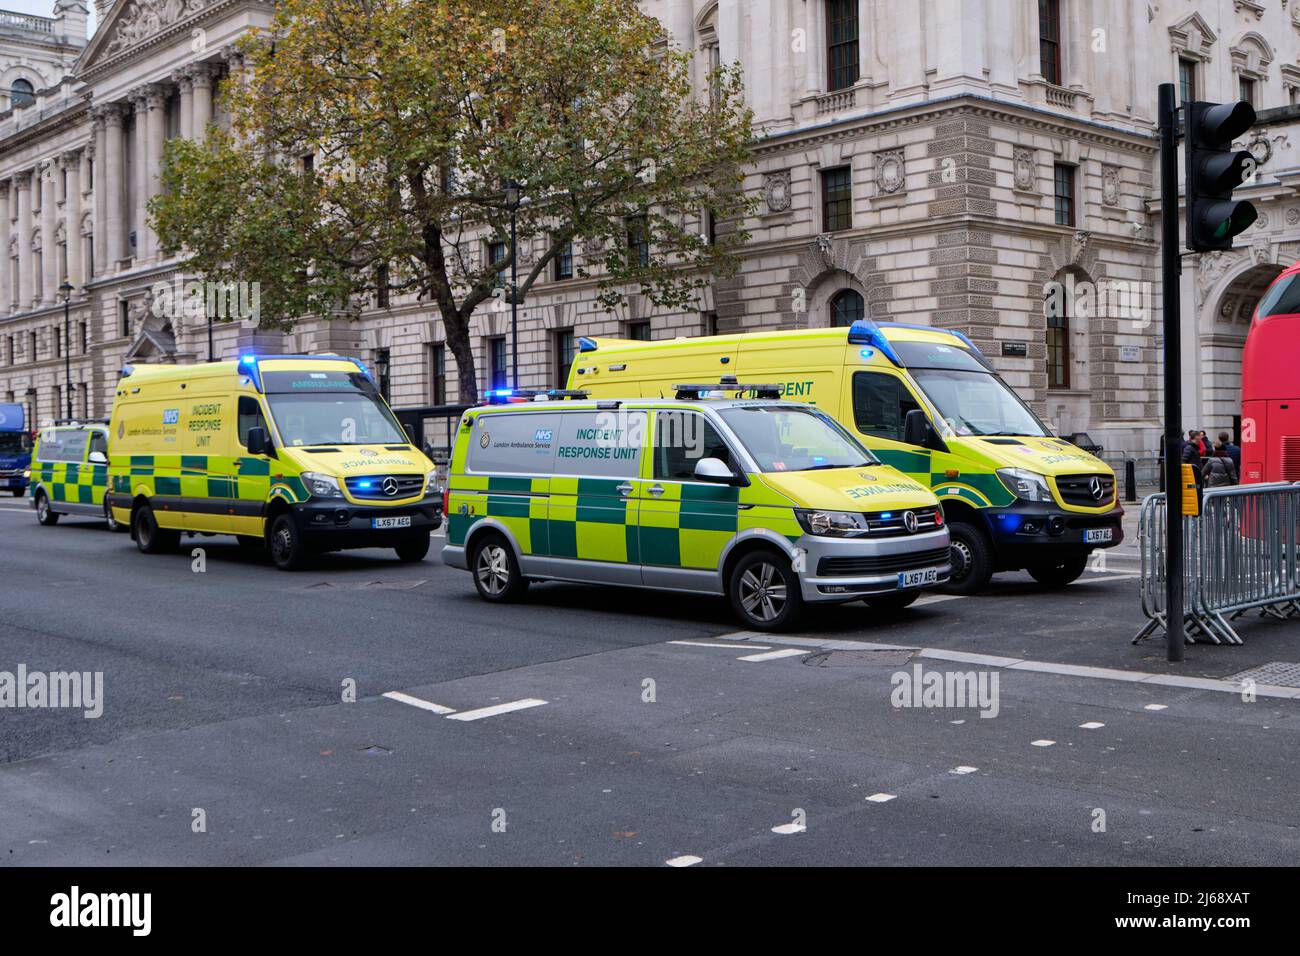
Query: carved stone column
(156, 103)
(184, 80)
(72, 216)
(23, 186)
(140, 171)
(202, 76)
(112, 178)
(6, 293)
(49, 249)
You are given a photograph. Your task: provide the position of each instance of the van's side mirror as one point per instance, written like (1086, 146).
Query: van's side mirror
(97, 458)
(917, 430)
(259, 442)
(712, 469)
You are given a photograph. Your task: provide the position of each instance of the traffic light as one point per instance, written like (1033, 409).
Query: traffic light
(1214, 169)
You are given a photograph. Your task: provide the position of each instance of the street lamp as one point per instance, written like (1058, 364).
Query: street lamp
(65, 293)
(512, 202)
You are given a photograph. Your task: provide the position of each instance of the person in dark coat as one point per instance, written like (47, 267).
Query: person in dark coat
(1218, 470)
(1234, 451)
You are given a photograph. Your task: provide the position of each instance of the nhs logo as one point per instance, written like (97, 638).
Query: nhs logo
(171, 416)
(543, 434)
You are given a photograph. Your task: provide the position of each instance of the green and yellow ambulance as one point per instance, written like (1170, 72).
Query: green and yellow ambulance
(290, 453)
(772, 504)
(70, 472)
(927, 402)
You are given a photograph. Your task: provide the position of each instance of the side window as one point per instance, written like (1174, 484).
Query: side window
(880, 404)
(51, 445)
(98, 442)
(73, 446)
(600, 444)
(250, 417)
(681, 440)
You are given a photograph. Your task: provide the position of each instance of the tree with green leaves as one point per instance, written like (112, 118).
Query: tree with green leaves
(371, 143)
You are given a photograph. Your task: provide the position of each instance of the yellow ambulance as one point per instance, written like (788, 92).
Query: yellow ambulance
(772, 504)
(927, 402)
(70, 472)
(293, 454)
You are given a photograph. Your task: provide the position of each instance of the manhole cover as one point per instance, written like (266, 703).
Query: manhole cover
(375, 750)
(858, 659)
(1278, 673)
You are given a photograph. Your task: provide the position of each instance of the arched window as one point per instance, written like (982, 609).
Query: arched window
(22, 93)
(847, 307)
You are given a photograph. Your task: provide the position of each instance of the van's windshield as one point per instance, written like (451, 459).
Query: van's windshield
(334, 418)
(977, 403)
(14, 443)
(794, 439)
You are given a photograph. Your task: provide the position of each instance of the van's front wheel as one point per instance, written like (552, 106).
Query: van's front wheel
(285, 543)
(44, 513)
(413, 549)
(765, 592)
(1059, 572)
(496, 572)
(972, 559)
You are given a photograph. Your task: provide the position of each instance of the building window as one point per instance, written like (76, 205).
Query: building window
(383, 362)
(381, 285)
(496, 257)
(31, 346)
(84, 331)
(438, 374)
(1049, 40)
(1186, 80)
(638, 331)
(124, 317)
(497, 362)
(1246, 90)
(710, 323)
(564, 262)
(710, 227)
(842, 47)
(22, 93)
(847, 307)
(1063, 177)
(563, 357)
(1058, 349)
(837, 199)
(638, 243)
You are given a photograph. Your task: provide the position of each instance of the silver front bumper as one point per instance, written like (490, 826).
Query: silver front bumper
(841, 587)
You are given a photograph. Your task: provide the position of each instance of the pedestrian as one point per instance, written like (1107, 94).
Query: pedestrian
(1233, 449)
(1191, 455)
(1219, 470)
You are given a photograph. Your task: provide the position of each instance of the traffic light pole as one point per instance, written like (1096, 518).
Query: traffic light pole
(1171, 270)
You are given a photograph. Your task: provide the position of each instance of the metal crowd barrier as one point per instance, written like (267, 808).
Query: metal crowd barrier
(1240, 553)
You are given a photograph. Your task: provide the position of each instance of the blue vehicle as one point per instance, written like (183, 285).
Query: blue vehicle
(15, 450)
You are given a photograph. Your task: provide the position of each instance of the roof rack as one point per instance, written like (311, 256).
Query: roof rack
(510, 396)
(81, 421)
(728, 383)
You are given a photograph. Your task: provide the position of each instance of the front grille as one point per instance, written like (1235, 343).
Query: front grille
(882, 564)
(371, 487)
(927, 519)
(1077, 490)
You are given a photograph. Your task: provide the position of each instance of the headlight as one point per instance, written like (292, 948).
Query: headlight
(835, 524)
(321, 486)
(431, 483)
(1026, 485)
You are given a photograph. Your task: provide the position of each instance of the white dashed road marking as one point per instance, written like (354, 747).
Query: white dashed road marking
(1043, 743)
(789, 828)
(401, 698)
(881, 797)
(1092, 725)
(497, 709)
(1156, 707)
(963, 769)
(687, 860)
(730, 647)
(772, 655)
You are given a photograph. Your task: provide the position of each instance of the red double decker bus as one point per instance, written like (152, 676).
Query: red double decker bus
(1270, 385)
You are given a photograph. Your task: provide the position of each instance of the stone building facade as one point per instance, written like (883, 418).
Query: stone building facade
(945, 162)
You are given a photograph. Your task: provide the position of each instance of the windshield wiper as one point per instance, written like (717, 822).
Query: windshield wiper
(827, 466)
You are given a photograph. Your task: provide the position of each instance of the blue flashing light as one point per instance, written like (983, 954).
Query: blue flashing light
(886, 515)
(866, 332)
(248, 359)
(867, 353)
(248, 366)
(586, 345)
(363, 484)
(1012, 522)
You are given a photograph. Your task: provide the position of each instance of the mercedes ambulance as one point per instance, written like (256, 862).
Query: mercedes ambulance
(772, 504)
(926, 401)
(70, 472)
(291, 453)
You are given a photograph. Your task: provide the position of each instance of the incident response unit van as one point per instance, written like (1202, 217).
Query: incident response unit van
(770, 503)
(925, 401)
(70, 472)
(294, 453)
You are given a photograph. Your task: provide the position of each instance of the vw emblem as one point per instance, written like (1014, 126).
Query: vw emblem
(909, 521)
(390, 486)
(367, 452)
(1094, 486)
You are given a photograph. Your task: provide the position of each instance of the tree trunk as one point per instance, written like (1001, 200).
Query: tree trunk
(462, 351)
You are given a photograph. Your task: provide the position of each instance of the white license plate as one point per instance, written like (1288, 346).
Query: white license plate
(1098, 535)
(918, 578)
(403, 521)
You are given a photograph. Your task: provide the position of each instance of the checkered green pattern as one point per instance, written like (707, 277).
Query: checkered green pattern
(76, 483)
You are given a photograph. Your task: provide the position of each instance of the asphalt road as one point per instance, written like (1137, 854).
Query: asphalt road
(607, 726)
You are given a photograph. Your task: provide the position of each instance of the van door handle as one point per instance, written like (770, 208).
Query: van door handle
(625, 488)
(656, 490)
